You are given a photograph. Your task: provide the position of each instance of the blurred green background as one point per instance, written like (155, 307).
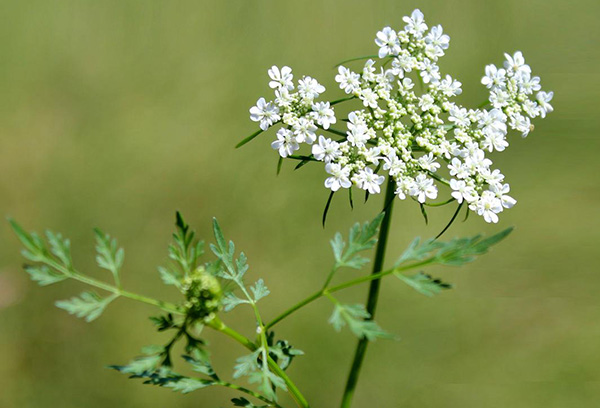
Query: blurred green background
(116, 113)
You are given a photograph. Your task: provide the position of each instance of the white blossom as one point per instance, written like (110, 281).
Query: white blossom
(286, 143)
(415, 24)
(349, 81)
(324, 114)
(281, 78)
(340, 177)
(543, 99)
(265, 113)
(326, 150)
(309, 88)
(423, 188)
(369, 181)
(388, 43)
(488, 206)
(398, 130)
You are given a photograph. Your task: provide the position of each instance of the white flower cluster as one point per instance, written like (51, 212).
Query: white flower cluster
(297, 110)
(406, 133)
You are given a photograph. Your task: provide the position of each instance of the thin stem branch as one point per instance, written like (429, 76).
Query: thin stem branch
(73, 274)
(218, 325)
(345, 285)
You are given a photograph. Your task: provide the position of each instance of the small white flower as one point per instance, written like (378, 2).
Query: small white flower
(499, 98)
(387, 41)
(340, 177)
(521, 124)
(492, 177)
(494, 141)
(324, 114)
(369, 181)
(494, 77)
(304, 130)
(372, 155)
(428, 162)
(309, 88)
(477, 161)
(286, 143)
(283, 98)
(349, 81)
(415, 24)
(516, 63)
(543, 99)
(369, 98)
(426, 102)
(529, 84)
(430, 72)
(458, 168)
(423, 188)
(450, 87)
(437, 41)
(501, 191)
(326, 150)
(488, 206)
(462, 191)
(403, 187)
(281, 78)
(357, 130)
(393, 164)
(265, 113)
(460, 117)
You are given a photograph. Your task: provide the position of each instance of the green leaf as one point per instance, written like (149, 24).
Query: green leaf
(457, 251)
(283, 353)
(246, 365)
(186, 385)
(424, 213)
(248, 139)
(356, 318)
(360, 238)
(164, 322)
(231, 301)
(110, 256)
(200, 362)
(34, 246)
(60, 247)
(170, 277)
(140, 365)
(326, 210)
(88, 305)
(417, 251)
(259, 290)
(43, 275)
(424, 283)
(257, 374)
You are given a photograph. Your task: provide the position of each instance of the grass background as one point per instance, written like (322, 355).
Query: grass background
(116, 113)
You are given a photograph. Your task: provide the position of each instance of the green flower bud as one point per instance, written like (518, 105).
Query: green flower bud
(203, 295)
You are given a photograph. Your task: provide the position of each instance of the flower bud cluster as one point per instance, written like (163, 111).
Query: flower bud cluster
(408, 126)
(203, 295)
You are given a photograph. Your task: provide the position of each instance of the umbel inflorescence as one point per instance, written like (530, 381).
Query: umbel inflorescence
(408, 127)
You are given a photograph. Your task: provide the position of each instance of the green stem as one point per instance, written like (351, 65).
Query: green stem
(73, 274)
(218, 325)
(374, 288)
(345, 285)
